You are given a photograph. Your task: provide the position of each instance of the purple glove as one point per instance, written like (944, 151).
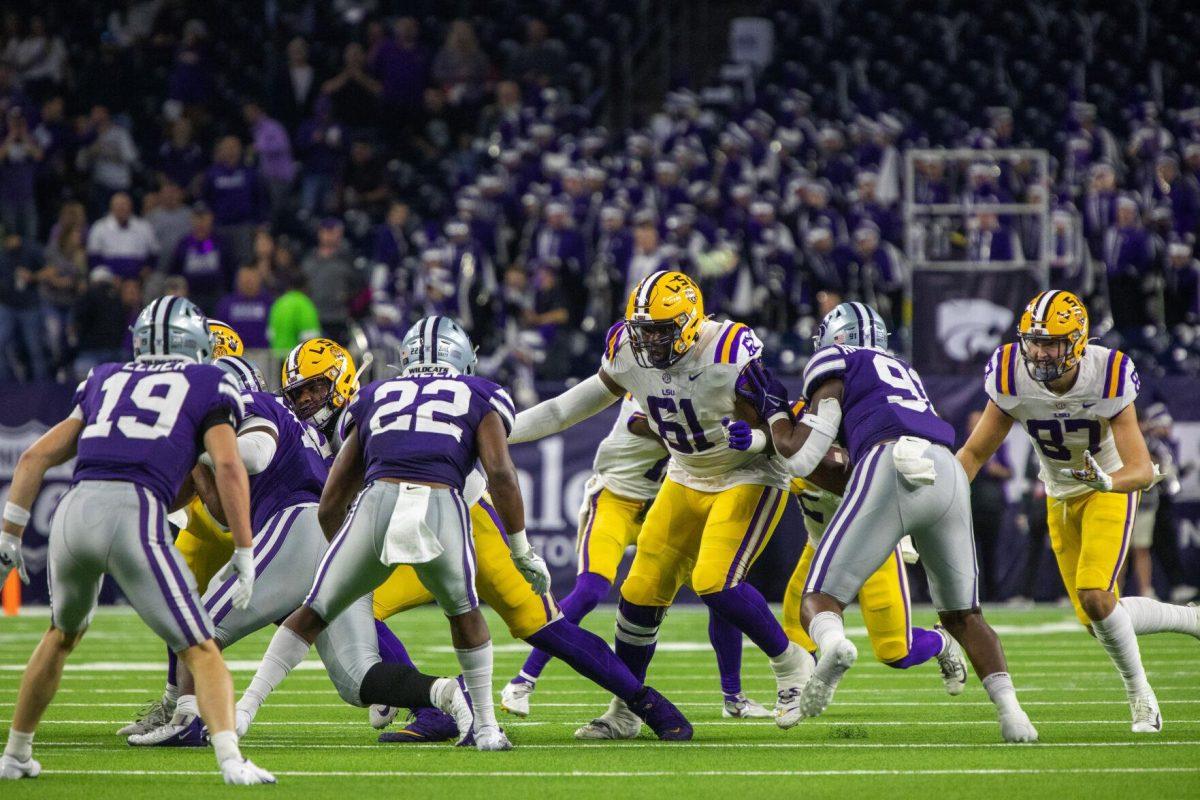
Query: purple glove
(739, 433)
(757, 386)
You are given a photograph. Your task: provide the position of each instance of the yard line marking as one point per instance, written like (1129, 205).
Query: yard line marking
(982, 702)
(739, 773)
(706, 724)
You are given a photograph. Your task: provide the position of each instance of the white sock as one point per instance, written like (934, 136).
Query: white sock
(225, 745)
(170, 695)
(532, 681)
(946, 640)
(476, 666)
(287, 649)
(184, 708)
(1000, 689)
(1152, 616)
(20, 745)
(787, 664)
(1115, 633)
(827, 629)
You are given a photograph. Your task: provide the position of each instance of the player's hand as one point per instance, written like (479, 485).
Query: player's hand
(1091, 475)
(11, 558)
(908, 551)
(533, 568)
(761, 389)
(242, 565)
(739, 434)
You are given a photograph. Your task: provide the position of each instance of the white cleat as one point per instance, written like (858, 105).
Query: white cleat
(792, 674)
(448, 697)
(514, 698)
(491, 738)
(242, 722)
(1016, 728)
(244, 773)
(953, 666)
(381, 716)
(154, 715)
(13, 770)
(742, 707)
(1146, 716)
(616, 723)
(161, 734)
(818, 692)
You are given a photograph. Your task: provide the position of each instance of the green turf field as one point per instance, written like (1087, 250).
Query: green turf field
(890, 733)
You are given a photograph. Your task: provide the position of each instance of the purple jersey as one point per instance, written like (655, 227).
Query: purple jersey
(145, 421)
(423, 428)
(298, 471)
(883, 397)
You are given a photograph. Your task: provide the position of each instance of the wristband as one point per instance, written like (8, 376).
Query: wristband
(518, 543)
(16, 515)
(758, 441)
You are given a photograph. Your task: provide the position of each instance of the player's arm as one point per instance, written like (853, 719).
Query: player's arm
(345, 479)
(805, 442)
(833, 473)
(985, 440)
(585, 399)
(187, 490)
(206, 489)
(506, 498)
(233, 489)
(1137, 470)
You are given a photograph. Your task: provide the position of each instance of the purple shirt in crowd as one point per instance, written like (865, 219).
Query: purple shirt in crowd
(235, 194)
(204, 263)
(248, 316)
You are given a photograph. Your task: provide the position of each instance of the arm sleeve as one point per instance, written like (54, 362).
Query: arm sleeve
(257, 449)
(585, 399)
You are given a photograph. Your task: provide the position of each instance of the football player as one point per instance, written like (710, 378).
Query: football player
(718, 507)
(629, 467)
(1076, 402)
(135, 431)
(905, 481)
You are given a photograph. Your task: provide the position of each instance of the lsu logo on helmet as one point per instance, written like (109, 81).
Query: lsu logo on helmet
(1053, 331)
(663, 318)
(225, 340)
(319, 380)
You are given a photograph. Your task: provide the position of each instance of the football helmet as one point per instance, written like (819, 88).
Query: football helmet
(437, 345)
(854, 325)
(1056, 323)
(663, 318)
(245, 374)
(171, 328)
(225, 340)
(322, 365)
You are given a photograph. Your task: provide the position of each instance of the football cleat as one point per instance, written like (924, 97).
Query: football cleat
(490, 738)
(153, 715)
(616, 723)
(738, 706)
(426, 725)
(1016, 728)
(189, 732)
(244, 773)
(13, 770)
(381, 716)
(818, 692)
(793, 670)
(1146, 716)
(514, 697)
(450, 698)
(668, 722)
(953, 665)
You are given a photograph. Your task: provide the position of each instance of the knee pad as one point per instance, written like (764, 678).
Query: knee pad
(638, 625)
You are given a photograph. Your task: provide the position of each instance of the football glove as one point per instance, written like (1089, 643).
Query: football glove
(741, 436)
(1091, 475)
(242, 565)
(531, 566)
(762, 390)
(11, 558)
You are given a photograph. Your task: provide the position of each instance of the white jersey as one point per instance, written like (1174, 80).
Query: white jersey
(686, 403)
(629, 465)
(1063, 426)
(818, 506)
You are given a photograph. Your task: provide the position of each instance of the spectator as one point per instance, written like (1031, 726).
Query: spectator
(393, 244)
(321, 144)
(401, 64)
(504, 118)
(237, 197)
(549, 312)
(989, 505)
(122, 242)
(64, 278)
(180, 159)
(101, 318)
(460, 67)
(365, 185)
(1177, 191)
(22, 329)
(274, 152)
(56, 139)
(1181, 292)
(297, 87)
(292, 318)
(332, 278)
(109, 158)
(1128, 258)
(987, 240)
(39, 59)
(203, 261)
(20, 155)
(647, 256)
(354, 93)
(247, 308)
(540, 61)
(190, 82)
(170, 219)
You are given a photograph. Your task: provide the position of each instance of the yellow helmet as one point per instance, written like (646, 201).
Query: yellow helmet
(663, 318)
(1057, 324)
(225, 340)
(326, 367)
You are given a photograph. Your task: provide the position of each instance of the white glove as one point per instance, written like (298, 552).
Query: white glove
(242, 564)
(908, 551)
(11, 558)
(531, 566)
(1091, 475)
(908, 454)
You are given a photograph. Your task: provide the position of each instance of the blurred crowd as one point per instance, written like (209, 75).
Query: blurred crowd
(349, 167)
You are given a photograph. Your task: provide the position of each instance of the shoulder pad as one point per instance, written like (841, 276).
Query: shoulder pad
(1000, 375)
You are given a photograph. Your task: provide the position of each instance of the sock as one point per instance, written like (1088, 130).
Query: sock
(396, 685)
(744, 607)
(587, 593)
(1115, 633)
(225, 745)
(727, 644)
(20, 745)
(999, 687)
(186, 707)
(476, 666)
(171, 692)
(287, 649)
(1152, 616)
(391, 649)
(827, 629)
(926, 644)
(637, 635)
(587, 654)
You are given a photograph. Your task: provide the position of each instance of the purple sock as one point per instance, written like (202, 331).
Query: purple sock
(172, 668)
(391, 649)
(587, 654)
(727, 644)
(637, 635)
(926, 644)
(743, 606)
(587, 593)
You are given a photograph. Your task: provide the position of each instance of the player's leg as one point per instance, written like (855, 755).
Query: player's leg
(726, 641)
(1148, 614)
(401, 591)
